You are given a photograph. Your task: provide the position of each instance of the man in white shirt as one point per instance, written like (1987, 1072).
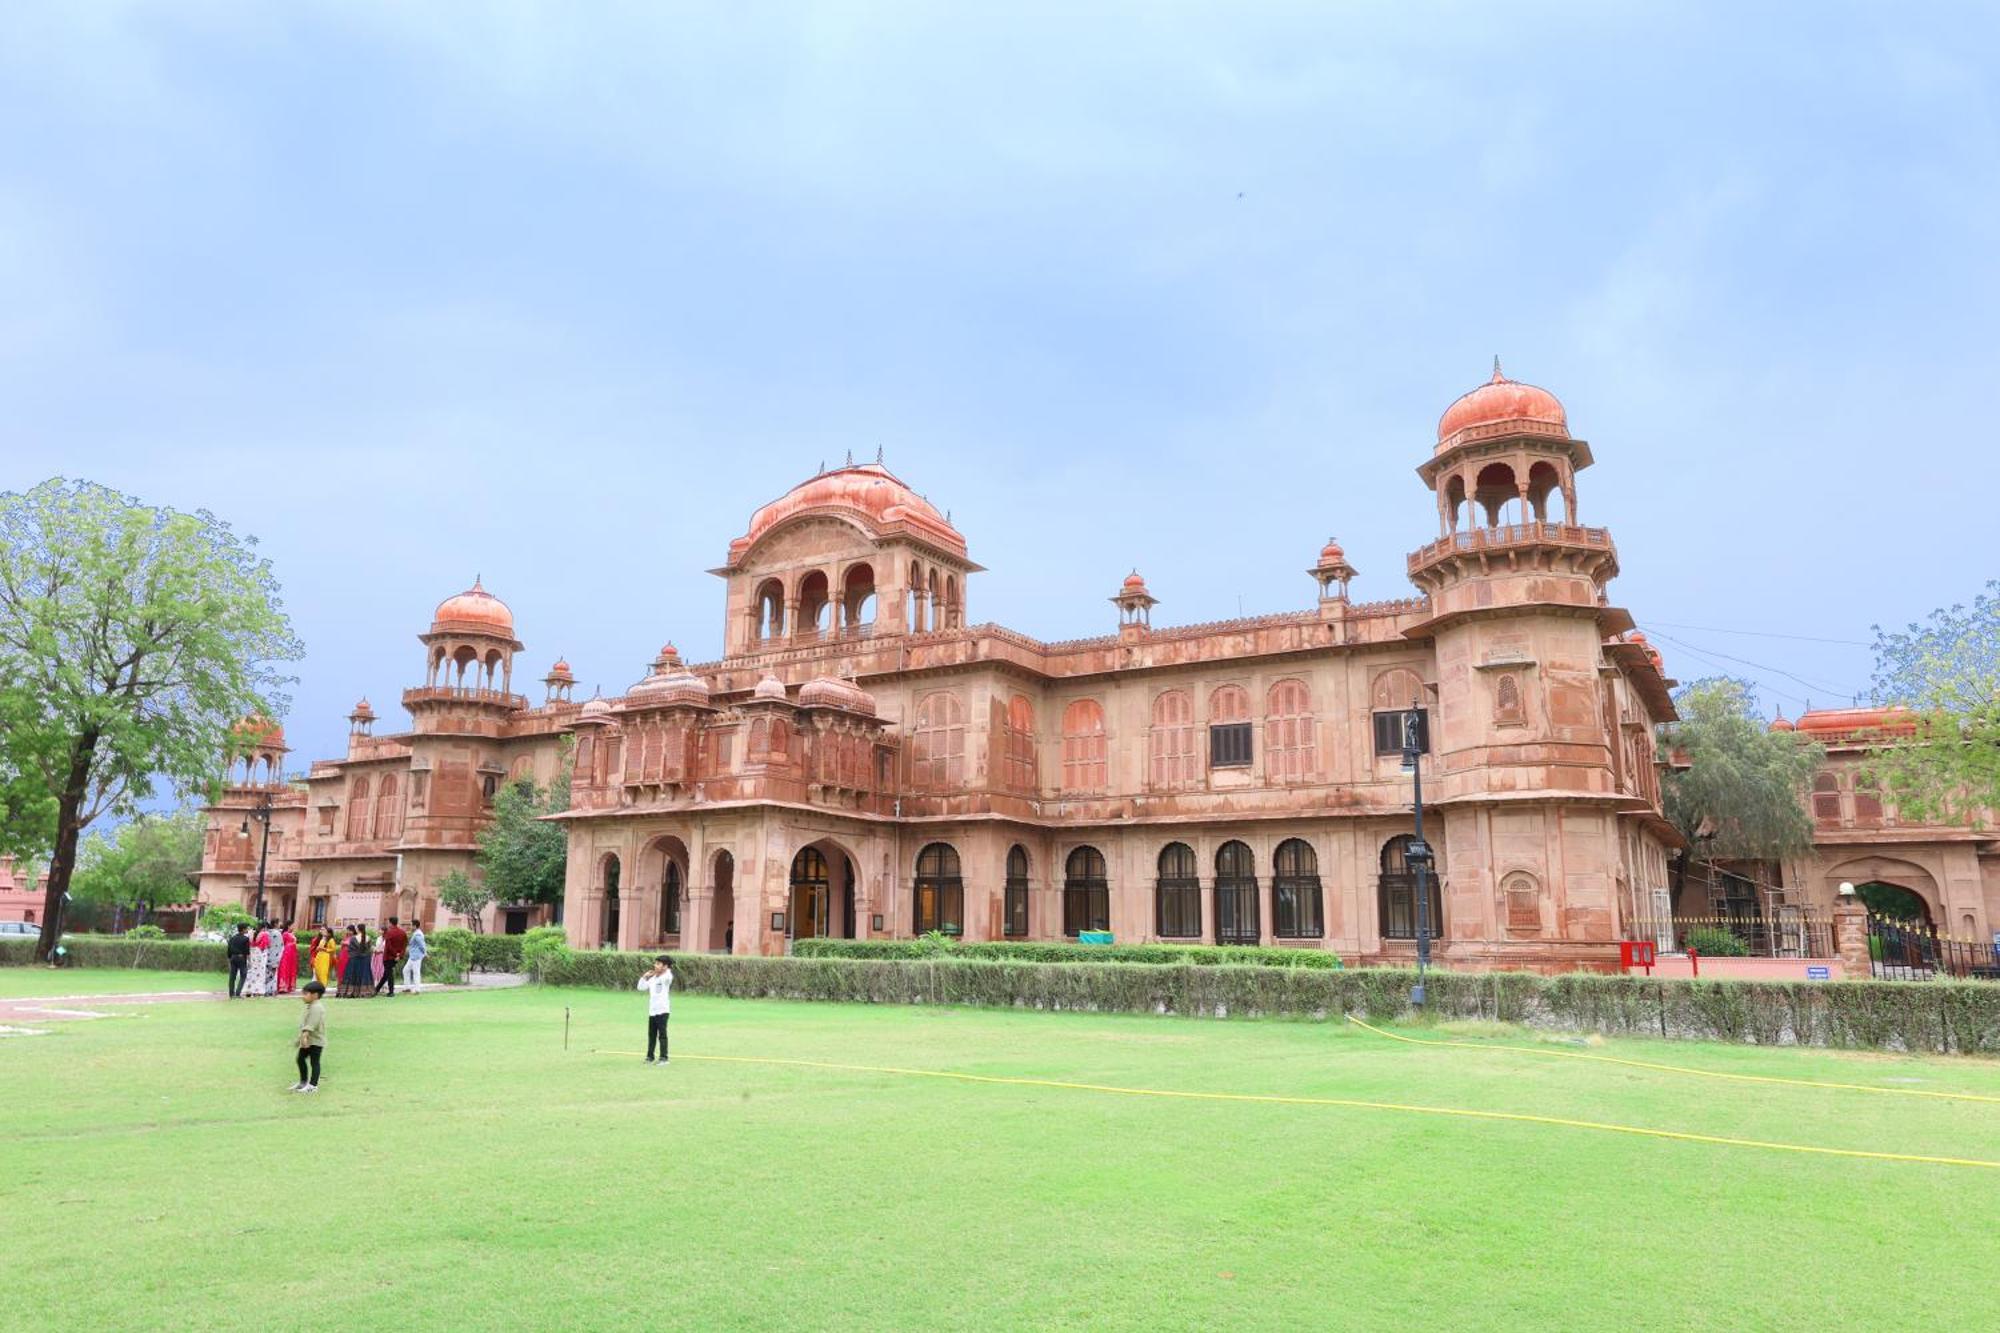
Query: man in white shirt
(659, 987)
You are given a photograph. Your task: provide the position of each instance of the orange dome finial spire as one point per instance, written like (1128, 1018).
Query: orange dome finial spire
(1498, 377)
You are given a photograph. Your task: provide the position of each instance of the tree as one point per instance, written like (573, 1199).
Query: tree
(1740, 796)
(464, 895)
(523, 855)
(145, 863)
(132, 641)
(1946, 671)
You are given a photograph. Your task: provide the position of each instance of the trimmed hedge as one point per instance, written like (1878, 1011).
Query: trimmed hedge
(486, 953)
(169, 956)
(1035, 951)
(119, 951)
(1918, 1016)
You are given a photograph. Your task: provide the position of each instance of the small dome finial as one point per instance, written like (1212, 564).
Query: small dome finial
(1498, 377)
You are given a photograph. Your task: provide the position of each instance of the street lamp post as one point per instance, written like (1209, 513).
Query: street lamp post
(262, 814)
(1418, 857)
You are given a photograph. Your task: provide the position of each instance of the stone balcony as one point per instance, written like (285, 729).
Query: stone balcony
(446, 694)
(1560, 545)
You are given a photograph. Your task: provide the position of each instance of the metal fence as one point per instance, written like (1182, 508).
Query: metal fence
(1789, 932)
(1913, 951)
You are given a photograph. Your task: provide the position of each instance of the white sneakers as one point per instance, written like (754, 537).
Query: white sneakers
(304, 1087)
(296, 1087)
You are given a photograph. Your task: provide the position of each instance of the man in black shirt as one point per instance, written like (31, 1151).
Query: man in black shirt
(239, 959)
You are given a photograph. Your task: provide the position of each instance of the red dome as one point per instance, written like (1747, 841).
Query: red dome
(868, 492)
(1134, 583)
(1782, 723)
(561, 670)
(260, 733)
(475, 610)
(1331, 554)
(1502, 407)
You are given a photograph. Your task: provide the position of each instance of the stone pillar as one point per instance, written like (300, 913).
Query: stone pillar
(1850, 937)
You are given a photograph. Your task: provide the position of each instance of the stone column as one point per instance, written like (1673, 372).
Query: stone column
(1850, 937)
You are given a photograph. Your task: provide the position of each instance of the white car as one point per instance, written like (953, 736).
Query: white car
(16, 929)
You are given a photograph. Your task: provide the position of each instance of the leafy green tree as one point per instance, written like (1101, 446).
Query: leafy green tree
(1946, 671)
(144, 863)
(1740, 794)
(522, 854)
(132, 640)
(464, 895)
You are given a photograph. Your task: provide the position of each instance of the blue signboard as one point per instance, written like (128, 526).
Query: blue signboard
(1818, 973)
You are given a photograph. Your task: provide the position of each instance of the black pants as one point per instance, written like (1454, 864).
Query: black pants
(656, 1032)
(237, 968)
(309, 1055)
(389, 966)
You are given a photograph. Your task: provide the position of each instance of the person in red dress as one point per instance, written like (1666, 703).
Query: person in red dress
(288, 960)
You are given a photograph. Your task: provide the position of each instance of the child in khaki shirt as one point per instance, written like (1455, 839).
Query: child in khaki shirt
(312, 1036)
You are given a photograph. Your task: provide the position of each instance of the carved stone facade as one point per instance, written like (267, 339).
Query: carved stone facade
(864, 760)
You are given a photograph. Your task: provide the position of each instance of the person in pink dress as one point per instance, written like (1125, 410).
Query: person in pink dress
(288, 960)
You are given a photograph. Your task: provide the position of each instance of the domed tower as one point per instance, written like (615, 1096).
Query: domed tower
(457, 717)
(1522, 731)
(849, 553)
(257, 753)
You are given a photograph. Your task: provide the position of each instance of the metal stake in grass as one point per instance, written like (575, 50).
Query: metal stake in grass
(565, 1027)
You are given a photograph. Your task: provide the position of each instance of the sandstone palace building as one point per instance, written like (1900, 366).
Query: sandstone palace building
(865, 760)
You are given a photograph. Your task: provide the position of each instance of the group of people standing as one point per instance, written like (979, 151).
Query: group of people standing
(266, 963)
(358, 964)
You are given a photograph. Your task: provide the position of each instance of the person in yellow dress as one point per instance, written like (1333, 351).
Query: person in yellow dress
(322, 955)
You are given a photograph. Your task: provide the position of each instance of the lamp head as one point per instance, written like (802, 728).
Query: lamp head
(1846, 889)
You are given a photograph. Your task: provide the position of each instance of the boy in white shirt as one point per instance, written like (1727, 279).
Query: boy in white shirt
(659, 987)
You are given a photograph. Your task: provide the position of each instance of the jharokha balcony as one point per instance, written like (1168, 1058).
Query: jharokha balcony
(1513, 539)
(425, 694)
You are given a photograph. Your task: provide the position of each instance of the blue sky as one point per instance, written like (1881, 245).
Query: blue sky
(559, 294)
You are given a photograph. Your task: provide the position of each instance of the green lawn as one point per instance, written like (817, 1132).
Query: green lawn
(103, 981)
(462, 1171)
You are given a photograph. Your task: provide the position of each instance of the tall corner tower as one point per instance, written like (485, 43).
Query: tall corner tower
(1518, 619)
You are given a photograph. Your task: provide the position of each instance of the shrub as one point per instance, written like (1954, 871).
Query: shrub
(1715, 942)
(540, 946)
(449, 956)
(1037, 951)
(146, 931)
(223, 919)
(496, 953)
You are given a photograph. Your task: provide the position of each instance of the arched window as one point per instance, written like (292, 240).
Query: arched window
(388, 810)
(815, 604)
(670, 899)
(1020, 748)
(360, 812)
(1015, 908)
(1175, 761)
(1296, 913)
(1179, 893)
(1493, 490)
(937, 748)
(1398, 894)
(1867, 800)
(1826, 799)
(771, 610)
(1083, 746)
(1522, 898)
(1229, 728)
(1086, 892)
(940, 892)
(1392, 697)
(857, 597)
(1291, 740)
(1235, 895)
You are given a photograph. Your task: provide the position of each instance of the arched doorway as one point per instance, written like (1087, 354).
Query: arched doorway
(722, 905)
(1893, 902)
(664, 871)
(610, 921)
(822, 893)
